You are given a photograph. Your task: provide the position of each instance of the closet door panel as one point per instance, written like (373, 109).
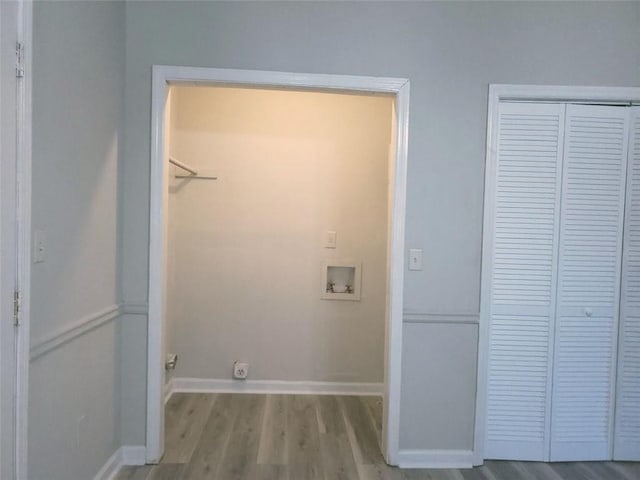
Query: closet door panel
(524, 252)
(627, 426)
(593, 189)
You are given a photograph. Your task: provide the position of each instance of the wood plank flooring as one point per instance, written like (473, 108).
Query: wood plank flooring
(306, 437)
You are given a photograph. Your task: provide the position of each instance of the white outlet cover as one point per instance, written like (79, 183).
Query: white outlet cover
(240, 370)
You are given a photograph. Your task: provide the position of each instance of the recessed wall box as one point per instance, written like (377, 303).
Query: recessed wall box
(341, 280)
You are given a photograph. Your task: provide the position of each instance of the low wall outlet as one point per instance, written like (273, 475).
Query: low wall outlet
(240, 370)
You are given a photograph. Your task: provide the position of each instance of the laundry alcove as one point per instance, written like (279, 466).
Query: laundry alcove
(245, 249)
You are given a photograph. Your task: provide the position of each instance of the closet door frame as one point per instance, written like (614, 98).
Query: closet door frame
(522, 93)
(627, 441)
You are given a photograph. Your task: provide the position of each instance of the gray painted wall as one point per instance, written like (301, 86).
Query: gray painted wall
(78, 89)
(451, 52)
(438, 371)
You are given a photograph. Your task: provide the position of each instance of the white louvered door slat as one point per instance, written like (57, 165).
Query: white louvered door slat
(627, 423)
(522, 300)
(586, 326)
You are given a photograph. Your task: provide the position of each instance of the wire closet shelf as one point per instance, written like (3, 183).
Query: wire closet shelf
(193, 173)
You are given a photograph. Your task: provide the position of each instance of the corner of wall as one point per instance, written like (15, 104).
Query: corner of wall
(133, 364)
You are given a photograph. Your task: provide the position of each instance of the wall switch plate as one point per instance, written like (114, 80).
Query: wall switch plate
(39, 246)
(415, 259)
(330, 239)
(240, 370)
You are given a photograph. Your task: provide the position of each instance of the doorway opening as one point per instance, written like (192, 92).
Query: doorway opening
(313, 178)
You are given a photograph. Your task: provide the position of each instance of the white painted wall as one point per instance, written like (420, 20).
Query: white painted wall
(450, 51)
(246, 250)
(78, 87)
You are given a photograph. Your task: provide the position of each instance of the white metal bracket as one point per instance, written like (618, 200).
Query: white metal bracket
(19, 60)
(16, 308)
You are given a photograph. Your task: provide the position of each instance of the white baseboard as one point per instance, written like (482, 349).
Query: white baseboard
(125, 455)
(133, 454)
(212, 385)
(168, 390)
(110, 469)
(435, 459)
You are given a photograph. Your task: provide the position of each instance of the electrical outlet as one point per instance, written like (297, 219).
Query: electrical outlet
(240, 370)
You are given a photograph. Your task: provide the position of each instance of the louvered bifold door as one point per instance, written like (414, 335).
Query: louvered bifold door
(627, 425)
(521, 298)
(595, 158)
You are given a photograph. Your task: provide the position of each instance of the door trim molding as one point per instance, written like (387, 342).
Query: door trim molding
(24, 129)
(164, 76)
(524, 93)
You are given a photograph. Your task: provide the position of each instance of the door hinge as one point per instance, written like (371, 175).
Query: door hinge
(16, 308)
(19, 60)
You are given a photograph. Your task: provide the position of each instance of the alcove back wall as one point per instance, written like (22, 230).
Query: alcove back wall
(245, 251)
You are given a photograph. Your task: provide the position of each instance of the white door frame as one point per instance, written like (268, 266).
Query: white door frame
(530, 93)
(21, 13)
(25, 122)
(162, 78)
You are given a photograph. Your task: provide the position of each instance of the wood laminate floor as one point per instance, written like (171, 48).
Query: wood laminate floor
(306, 437)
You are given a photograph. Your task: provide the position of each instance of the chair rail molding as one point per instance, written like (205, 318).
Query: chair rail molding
(414, 316)
(134, 307)
(88, 323)
(73, 330)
